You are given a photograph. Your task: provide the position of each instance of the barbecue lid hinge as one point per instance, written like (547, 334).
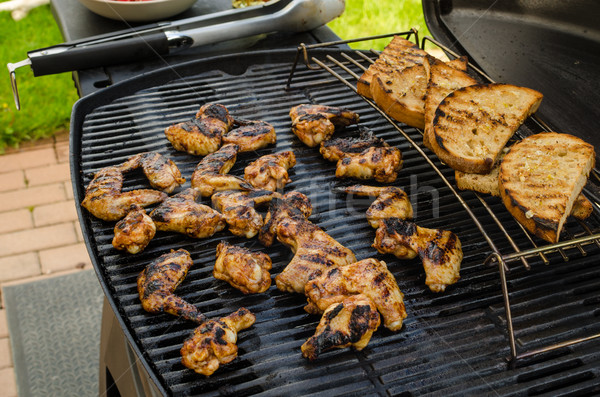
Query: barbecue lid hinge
(12, 67)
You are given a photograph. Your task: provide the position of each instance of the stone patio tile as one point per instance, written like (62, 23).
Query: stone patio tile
(8, 382)
(16, 267)
(33, 196)
(64, 258)
(12, 221)
(27, 159)
(48, 174)
(12, 180)
(38, 239)
(50, 214)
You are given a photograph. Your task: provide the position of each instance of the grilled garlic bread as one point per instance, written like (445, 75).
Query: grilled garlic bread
(473, 124)
(540, 179)
(397, 55)
(442, 79)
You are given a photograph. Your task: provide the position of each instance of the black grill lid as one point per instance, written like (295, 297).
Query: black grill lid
(552, 46)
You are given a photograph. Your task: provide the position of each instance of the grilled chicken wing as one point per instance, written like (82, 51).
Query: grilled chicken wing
(211, 176)
(314, 250)
(379, 163)
(134, 232)
(313, 124)
(439, 250)
(391, 202)
(162, 173)
(270, 171)
(368, 277)
(182, 214)
(245, 270)
(336, 149)
(203, 134)
(213, 343)
(251, 135)
(292, 205)
(238, 209)
(158, 281)
(350, 322)
(105, 200)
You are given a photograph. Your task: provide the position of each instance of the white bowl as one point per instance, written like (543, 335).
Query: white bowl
(137, 11)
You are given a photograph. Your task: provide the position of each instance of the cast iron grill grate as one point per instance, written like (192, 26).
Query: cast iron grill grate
(450, 343)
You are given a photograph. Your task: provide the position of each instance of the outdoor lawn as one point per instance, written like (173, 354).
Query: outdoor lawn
(46, 101)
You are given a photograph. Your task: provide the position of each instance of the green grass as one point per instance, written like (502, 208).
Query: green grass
(364, 18)
(46, 101)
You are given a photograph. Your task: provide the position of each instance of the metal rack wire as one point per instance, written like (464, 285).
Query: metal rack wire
(577, 241)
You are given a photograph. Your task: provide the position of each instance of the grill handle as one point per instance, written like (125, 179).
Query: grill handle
(64, 58)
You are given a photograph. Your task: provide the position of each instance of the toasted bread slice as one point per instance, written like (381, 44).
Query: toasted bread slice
(472, 124)
(488, 184)
(397, 55)
(442, 79)
(540, 179)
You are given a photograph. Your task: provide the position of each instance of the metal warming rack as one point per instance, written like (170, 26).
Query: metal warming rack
(580, 234)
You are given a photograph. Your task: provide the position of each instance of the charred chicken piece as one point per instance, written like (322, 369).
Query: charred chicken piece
(379, 163)
(350, 322)
(158, 281)
(336, 149)
(217, 115)
(214, 342)
(162, 173)
(238, 209)
(182, 214)
(292, 205)
(245, 270)
(368, 277)
(390, 202)
(439, 250)
(134, 232)
(211, 176)
(251, 135)
(314, 251)
(105, 200)
(270, 171)
(313, 124)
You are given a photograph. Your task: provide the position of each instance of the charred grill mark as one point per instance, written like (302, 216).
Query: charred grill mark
(330, 315)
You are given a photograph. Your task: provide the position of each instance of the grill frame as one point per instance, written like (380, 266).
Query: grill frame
(418, 299)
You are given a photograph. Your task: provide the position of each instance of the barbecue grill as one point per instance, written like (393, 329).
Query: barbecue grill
(522, 320)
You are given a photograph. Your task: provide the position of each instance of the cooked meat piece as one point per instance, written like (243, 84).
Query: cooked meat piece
(379, 163)
(216, 114)
(270, 171)
(158, 281)
(134, 232)
(182, 214)
(251, 135)
(238, 209)
(214, 342)
(210, 174)
(292, 205)
(245, 270)
(348, 323)
(336, 149)
(368, 277)
(162, 173)
(314, 251)
(105, 200)
(391, 202)
(313, 124)
(439, 250)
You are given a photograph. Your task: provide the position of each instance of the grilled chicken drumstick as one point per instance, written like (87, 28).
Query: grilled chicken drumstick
(203, 134)
(162, 173)
(105, 200)
(293, 204)
(439, 250)
(182, 214)
(313, 124)
(251, 135)
(158, 281)
(391, 202)
(134, 232)
(245, 270)
(336, 149)
(238, 209)
(368, 277)
(211, 176)
(379, 163)
(350, 322)
(213, 343)
(270, 171)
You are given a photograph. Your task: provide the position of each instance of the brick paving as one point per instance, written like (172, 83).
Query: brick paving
(39, 230)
